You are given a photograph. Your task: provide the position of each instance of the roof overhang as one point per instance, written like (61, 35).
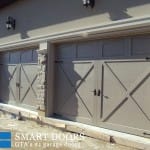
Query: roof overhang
(4, 3)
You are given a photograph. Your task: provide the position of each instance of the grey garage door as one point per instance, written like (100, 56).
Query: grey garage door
(18, 71)
(105, 83)
(74, 94)
(124, 102)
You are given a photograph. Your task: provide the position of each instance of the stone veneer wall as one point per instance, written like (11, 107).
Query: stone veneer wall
(42, 83)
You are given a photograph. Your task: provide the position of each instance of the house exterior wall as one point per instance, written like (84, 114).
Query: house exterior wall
(40, 22)
(35, 18)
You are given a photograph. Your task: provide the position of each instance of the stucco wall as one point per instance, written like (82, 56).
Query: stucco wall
(37, 17)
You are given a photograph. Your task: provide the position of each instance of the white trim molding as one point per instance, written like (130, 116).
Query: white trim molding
(122, 27)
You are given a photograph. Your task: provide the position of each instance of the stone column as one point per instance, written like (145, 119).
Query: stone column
(42, 82)
(50, 80)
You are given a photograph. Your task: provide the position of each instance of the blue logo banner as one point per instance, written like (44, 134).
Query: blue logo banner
(5, 139)
(5, 144)
(5, 135)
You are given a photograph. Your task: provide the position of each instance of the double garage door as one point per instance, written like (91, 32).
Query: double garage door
(18, 78)
(105, 83)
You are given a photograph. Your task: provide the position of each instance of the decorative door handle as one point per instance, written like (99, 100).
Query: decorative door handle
(147, 58)
(17, 84)
(94, 92)
(99, 92)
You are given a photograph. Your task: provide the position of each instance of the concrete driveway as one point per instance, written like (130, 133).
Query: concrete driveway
(27, 134)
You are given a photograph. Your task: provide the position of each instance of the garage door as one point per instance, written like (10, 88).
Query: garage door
(105, 83)
(18, 71)
(124, 100)
(75, 81)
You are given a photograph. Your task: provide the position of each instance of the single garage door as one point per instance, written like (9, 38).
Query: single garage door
(18, 78)
(105, 83)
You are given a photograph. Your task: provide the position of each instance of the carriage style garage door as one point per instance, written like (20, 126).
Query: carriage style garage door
(105, 83)
(18, 77)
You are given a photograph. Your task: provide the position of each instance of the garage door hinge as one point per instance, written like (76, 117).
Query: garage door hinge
(58, 61)
(147, 58)
(146, 133)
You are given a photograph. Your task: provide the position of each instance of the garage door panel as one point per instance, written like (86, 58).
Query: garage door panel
(19, 78)
(28, 90)
(26, 56)
(108, 81)
(4, 58)
(84, 88)
(110, 100)
(89, 50)
(130, 115)
(29, 99)
(8, 77)
(142, 95)
(14, 57)
(34, 56)
(141, 46)
(66, 51)
(70, 108)
(86, 92)
(83, 109)
(128, 72)
(73, 99)
(83, 69)
(113, 48)
(12, 73)
(59, 105)
(61, 93)
(71, 72)
(125, 95)
(4, 82)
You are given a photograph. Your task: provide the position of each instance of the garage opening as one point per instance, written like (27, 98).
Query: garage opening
(105, 83)
(18, 78)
